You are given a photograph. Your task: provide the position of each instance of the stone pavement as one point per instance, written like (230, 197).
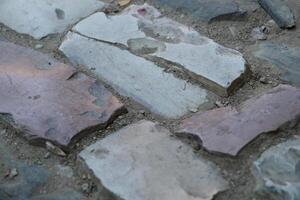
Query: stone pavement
(149, 100)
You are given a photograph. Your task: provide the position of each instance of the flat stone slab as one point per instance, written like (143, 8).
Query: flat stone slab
(49, 100)
(284, 57)
(41, 18)
(203, 10)
(143, 162)
(146, 32)
(280, 12)
(277, 172)
(227, 130)
(135, 77)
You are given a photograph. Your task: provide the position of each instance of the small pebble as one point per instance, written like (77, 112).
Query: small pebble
(38, 46)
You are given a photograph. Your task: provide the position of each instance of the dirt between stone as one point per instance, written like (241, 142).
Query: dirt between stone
(236, 170)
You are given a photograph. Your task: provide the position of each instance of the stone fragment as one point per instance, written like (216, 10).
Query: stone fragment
(143, 161)
(41, 18)
(280, 12)
(277, 172)
(286, 58)
(134, 76)
(146, 32)
(227, 130)
(203, 10)
(48, 100)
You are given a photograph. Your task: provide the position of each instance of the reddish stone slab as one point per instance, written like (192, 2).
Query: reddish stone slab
(227, 130)
(49, 100)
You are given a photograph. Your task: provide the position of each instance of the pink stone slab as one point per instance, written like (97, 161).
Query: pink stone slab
(49, 100)
(227, 130)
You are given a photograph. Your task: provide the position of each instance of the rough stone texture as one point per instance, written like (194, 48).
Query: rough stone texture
(40, 18)
(280, 12)
(203, 10)
(147, 32)
(135, 77)
(30, 179)
(143, 162)
(49, 100)
(278, 172)
(286, 58)
(227, 130)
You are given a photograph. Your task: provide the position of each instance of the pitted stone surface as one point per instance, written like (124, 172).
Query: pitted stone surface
(203, 10)
(41, 18)
(143, 162)
(215, 66)
(227, 130)
(284, 57)
(278, 172)
(280, 12)
(49, 100)
(135, 77)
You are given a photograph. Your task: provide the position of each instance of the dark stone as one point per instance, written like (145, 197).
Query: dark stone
(204, 10)
(48, 100)
(280, 12)
(286, 58)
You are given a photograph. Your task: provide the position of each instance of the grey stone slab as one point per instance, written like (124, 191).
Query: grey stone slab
(217, 67)
(40, 18)
(30, 179)
(203, 10)
(280, 12)
(143, 162)
(284, 57)
(135, 77)
(277, 172)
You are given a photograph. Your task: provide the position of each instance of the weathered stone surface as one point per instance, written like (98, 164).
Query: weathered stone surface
(286, 58)
(49, 100)
(280, 12)
(278, 172)
(135, 77)
(203, 10)
(145, 31)
(228, 130)
(29, 180)
(143, 162)
(40, 18)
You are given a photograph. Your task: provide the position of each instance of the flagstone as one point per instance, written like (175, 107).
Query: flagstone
(135, 77)
(41, 18)
(277, 172)
(280, 12)
(227, 130)
(217, 67)
(284, 57)
(48, 100)
(143, 162)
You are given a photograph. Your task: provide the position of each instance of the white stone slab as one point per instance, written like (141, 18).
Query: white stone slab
(209, 62)
(143, 162)
(39, 18)
(135, 77)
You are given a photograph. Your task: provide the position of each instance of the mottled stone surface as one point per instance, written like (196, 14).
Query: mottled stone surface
(280, 12)
(146, 32)
(284, 57)
(135, 77)
(40, 18)
(227, 130)
(143, 162)
(203, 10)
(30, 180)
(278, 172)
(49, 100)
